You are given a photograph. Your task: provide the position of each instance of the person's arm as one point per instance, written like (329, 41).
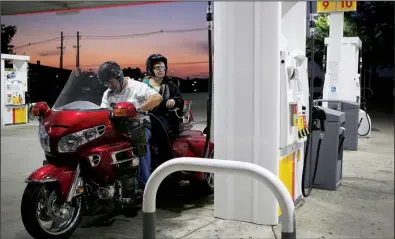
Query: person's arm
(175, 94)
(104, 100)
(151, 97)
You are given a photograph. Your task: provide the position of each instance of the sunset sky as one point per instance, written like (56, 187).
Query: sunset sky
(189, 47)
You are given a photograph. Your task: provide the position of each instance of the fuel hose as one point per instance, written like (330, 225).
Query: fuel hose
(308, 148)
(209, 18)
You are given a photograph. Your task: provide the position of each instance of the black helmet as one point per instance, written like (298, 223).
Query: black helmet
(152, 59)
(109, 70)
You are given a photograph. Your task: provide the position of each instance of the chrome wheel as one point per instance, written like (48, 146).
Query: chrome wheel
(54, 217)
(209, 177)
(45, 216)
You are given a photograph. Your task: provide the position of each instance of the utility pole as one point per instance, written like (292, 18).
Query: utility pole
(77, 62)
(61, 50)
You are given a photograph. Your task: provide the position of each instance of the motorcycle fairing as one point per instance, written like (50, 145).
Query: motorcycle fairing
(51, 173)
(107, 160)
(191, 144)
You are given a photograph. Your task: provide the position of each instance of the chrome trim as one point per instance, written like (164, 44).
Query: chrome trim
(75, 183)
(136, 162)
(93, 158)
(45, 180)
(127, 160)
(79, 184)
(114, 158)
(101, 129)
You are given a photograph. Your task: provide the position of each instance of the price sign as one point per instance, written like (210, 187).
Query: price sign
(346, 6)
(326, 6)
(336, 6)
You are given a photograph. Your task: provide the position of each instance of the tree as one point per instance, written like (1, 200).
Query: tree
(134, 73)
(322, 31)
(7, 34)
(375, 25)
(372, 23)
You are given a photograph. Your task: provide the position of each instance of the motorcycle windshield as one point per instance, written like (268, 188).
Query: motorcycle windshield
(83, 92)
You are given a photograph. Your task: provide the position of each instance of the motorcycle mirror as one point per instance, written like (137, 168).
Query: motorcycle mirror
(40, 109)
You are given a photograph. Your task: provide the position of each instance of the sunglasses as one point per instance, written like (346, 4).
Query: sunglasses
(160, 68)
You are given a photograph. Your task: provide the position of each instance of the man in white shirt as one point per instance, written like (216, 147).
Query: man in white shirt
(124, 89)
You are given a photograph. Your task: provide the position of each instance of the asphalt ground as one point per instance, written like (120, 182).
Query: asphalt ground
(362, 207)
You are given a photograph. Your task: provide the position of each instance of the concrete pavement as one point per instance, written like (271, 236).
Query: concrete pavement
(363, 207)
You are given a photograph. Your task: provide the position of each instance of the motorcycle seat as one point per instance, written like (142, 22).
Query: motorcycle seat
(191, 133)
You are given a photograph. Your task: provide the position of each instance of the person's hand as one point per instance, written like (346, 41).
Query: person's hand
(170, 104)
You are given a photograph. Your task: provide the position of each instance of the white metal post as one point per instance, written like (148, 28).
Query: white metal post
(267, 178)
(334, 54)
(246, 105)
(2, 90)
(293, 29)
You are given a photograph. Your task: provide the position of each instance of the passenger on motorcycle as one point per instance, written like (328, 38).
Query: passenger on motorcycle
(156, 67)
(125, 89)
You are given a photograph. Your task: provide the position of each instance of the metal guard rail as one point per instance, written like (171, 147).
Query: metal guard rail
(288, 227)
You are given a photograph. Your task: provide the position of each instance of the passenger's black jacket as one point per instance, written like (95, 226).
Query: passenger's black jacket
(169, 91)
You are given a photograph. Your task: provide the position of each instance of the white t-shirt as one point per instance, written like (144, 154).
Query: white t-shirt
(135, 92)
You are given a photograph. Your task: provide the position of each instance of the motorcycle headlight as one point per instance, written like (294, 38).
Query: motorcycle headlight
(71, 142)
(43, 138)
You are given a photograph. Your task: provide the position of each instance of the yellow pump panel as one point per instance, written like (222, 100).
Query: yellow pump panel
(287, 174)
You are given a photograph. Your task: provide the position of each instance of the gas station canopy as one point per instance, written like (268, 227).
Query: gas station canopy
(34, 7)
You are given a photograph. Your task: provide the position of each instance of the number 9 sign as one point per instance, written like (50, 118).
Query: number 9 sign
(326, 6)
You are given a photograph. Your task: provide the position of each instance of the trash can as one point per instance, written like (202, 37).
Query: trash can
(351, 110)
(326, 171)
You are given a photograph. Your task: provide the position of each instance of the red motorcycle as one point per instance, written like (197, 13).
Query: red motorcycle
(92, 157)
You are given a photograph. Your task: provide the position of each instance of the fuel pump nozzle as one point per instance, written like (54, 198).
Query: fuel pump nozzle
(319, 115)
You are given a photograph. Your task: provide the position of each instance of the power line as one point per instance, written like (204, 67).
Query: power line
(143, 34)
(114, 37)
(39, 42)
(143, 64)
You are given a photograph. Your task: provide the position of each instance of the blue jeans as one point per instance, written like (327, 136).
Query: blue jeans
(145, 162)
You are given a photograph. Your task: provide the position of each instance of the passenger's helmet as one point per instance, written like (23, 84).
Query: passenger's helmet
(109, 70)
(152, 59)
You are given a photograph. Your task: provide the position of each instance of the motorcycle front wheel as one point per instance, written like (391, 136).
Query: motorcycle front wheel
(45, 217)
(30, 113)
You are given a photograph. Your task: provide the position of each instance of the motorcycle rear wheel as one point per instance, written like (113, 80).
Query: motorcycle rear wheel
(35, 213)
(208, 183)
(206, 186)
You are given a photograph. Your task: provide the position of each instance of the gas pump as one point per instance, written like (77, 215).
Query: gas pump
(13, 88)
(342, 78)
(293, 117)
(318, 115)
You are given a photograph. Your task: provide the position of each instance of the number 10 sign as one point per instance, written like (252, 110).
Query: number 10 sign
(336, 6)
